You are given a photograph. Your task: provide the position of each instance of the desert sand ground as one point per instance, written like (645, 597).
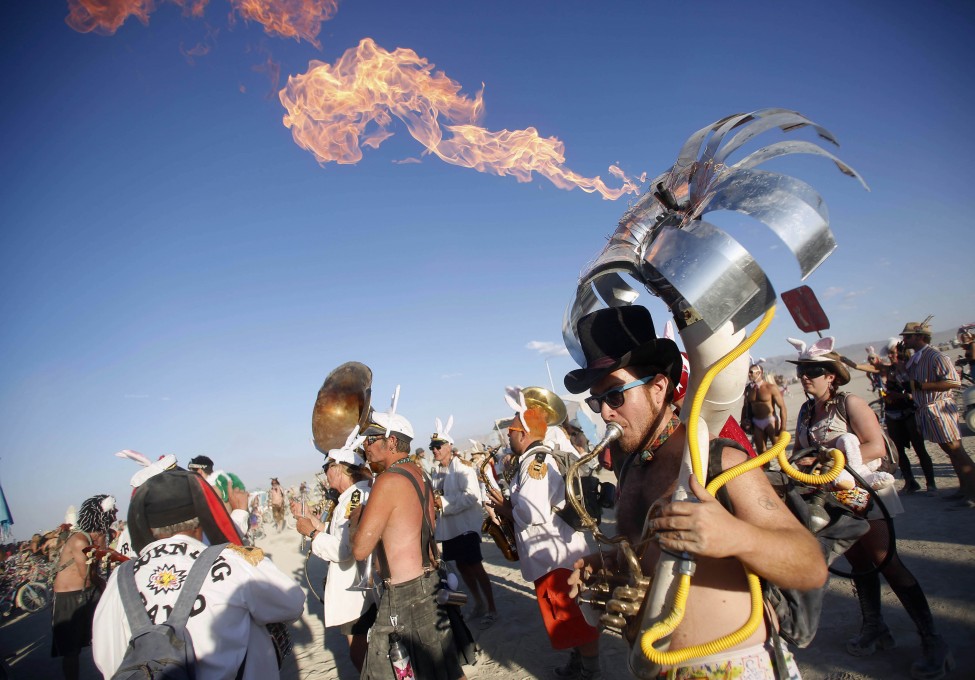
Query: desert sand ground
(938, 545)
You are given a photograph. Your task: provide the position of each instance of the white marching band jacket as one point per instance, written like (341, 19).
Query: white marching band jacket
(341, 604)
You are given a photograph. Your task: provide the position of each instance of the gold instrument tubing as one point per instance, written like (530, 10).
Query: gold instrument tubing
(667, 625)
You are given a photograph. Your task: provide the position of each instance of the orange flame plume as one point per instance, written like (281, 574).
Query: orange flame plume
(106, 16)
(289, 18)
(335, 110)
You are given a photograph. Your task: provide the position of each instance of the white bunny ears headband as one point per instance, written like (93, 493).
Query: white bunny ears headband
(515, 399)
(442, 433)
(347, 453)
(389, 422)
(149, 468)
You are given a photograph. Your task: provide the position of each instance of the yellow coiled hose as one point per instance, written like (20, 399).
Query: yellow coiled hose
(667, 625)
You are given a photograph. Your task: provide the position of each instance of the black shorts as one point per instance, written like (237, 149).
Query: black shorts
(71, 619)
(362, 624)
(463, 549)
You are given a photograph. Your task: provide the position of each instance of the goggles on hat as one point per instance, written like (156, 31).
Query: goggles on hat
(614, 398)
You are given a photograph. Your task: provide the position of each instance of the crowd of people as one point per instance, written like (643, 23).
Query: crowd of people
(397, 524)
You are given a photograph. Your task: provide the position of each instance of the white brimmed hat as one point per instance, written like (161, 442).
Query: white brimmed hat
(442, 433)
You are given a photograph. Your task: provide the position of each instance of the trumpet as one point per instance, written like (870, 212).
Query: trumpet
(502, 531)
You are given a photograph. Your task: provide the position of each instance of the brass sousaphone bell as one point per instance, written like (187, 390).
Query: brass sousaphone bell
(342, 403)
(548, 402)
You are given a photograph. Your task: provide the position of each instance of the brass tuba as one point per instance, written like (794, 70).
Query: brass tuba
(548, 402)
(342, 403)
(503, 532)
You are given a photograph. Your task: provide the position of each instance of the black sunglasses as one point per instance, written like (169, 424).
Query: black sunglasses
(435, 446)
(811, 371)
(615, 397)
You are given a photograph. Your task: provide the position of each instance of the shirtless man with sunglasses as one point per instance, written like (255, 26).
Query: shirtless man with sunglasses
(632, 376)
(758, 417)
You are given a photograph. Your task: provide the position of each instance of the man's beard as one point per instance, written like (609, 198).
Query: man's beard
(651, 425)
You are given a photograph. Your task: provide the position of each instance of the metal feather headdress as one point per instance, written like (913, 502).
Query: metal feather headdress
(697, 269)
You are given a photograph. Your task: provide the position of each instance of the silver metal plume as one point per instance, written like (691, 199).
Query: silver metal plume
(698, 270)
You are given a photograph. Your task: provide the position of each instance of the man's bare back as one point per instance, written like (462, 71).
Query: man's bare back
(74, 576)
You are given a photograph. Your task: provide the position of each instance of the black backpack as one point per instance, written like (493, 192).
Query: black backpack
(162, 651)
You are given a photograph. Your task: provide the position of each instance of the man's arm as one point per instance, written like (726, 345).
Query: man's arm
(376, 513)
(864, 424)
(947, 377)
(746, 411)
(778, 401)
(763, 534)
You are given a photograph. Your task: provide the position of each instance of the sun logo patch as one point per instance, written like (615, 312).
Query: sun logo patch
(166, 579)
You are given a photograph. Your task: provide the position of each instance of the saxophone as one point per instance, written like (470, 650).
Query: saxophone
(502, 531)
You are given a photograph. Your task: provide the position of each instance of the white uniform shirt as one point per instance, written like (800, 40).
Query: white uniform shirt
(123, 543)
(333, 546)
(233, 607)
(462, 511)
(545, 542)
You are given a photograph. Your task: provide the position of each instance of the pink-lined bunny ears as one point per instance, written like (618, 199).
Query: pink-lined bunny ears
(515, 399)
(819, 349)
(149, 468)
(822, 352)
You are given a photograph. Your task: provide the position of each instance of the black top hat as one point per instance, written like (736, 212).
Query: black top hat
(619, 337)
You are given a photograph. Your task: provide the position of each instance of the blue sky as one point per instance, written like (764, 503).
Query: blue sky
(179, 276)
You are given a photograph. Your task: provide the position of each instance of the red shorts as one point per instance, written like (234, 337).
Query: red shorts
(563, 619)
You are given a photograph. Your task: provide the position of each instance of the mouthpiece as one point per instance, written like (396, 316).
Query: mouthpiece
(613, 432)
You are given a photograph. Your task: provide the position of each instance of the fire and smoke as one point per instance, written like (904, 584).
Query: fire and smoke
(107, 16)
(299, 19)
(333, 111)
